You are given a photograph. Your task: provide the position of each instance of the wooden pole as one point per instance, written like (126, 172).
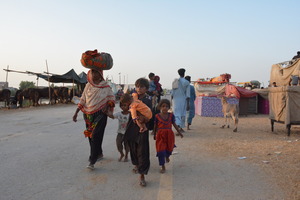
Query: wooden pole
(48, 83)
(73, 89)
(7, 74)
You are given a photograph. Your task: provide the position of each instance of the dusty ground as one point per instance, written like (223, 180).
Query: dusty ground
(275, 153)
(45, 156)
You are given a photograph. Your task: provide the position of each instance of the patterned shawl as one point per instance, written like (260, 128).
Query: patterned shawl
(96, 96)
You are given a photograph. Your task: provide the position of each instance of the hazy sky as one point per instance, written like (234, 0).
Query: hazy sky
(207, 38)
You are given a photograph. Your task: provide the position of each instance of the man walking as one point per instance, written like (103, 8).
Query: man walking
(180, 98)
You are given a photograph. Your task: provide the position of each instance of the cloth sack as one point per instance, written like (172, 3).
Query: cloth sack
(97, 61)
(175, 83)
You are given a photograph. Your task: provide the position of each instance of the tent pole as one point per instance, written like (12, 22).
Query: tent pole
(48, 83)
(73, 89)
(7, 75)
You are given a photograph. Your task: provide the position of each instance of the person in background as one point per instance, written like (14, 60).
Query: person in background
(123, 118)
(274, 84)
(139, 142)
(191, 112)
(180, 99)
(152, 86)
(152, 94)
(97, 101)
(158, 89)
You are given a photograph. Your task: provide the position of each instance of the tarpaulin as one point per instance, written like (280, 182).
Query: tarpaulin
(68, 77)
(281, 73)
(285, 104)
(238, 92)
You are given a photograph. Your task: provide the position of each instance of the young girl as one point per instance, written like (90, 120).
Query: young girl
(139, 142)
(123, 118)
(163, 134)
(96, 102)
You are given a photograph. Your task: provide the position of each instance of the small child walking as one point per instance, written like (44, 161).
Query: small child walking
(123, 118)
(163, 133)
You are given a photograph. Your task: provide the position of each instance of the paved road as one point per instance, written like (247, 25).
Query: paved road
(44, 154)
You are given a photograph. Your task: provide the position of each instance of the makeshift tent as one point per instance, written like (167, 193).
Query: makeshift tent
(281, 73)
(69, 77)
(263, 100)
(83, 77)
(285, 105)
(248, 99)
(238, 92)
(211, 106)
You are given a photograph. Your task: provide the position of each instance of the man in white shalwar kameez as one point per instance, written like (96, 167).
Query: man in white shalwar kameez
(180, 98)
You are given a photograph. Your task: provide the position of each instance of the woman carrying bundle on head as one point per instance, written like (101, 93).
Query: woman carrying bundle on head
(97, 101)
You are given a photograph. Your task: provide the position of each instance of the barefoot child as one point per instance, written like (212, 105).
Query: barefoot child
(163, 134)
(123, 118)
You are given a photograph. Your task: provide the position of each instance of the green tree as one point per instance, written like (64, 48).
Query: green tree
(26, 84)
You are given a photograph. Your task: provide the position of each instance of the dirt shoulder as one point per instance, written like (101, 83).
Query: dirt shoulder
(275, 153)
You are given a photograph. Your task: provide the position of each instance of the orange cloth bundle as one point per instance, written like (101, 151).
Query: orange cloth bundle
(97, 61)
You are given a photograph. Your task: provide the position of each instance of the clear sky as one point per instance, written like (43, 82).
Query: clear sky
(207, 38)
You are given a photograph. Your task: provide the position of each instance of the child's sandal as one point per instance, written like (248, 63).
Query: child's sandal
(143, 183)
(135, 170)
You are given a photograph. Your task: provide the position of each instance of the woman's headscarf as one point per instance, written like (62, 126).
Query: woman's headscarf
(96, 96)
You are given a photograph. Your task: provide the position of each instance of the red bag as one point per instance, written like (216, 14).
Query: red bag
(95, 60)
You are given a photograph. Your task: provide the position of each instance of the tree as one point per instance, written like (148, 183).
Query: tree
(26, 84)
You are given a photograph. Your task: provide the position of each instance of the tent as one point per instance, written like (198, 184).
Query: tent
(83, 77)
(282, 72)
(69, 77)
(248, 99)
(238, 92)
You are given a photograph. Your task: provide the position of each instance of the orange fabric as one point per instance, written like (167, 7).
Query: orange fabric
(165, 139)
(138, 105)
(238, 92)
(95, 60)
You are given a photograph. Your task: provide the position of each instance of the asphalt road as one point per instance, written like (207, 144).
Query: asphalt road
(44, 156)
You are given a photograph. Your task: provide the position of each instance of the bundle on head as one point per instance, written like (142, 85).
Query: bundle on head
(97, 61)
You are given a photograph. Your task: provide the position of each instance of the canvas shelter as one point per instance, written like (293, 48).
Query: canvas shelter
(284, 99)
(281, 73)
(69, 77)
(248, 100)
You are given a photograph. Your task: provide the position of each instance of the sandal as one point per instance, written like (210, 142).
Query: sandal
(143, 183)
(135, 170)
